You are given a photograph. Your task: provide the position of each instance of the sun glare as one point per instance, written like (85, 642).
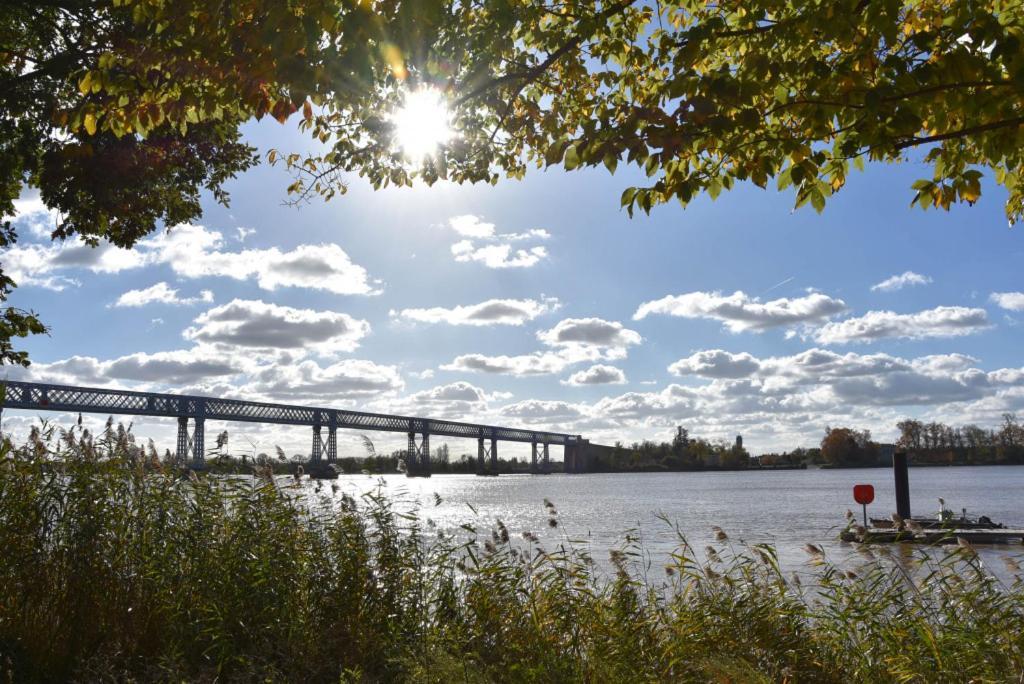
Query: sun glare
(422, 124)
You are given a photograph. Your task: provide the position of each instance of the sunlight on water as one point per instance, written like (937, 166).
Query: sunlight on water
(786, 508)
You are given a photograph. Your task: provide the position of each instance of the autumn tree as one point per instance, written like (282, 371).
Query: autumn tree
(102, 98)
(848, 447)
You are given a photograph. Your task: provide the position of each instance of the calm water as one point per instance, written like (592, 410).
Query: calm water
(787, 508)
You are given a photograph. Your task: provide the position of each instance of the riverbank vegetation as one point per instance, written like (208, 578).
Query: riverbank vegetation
(116, 568)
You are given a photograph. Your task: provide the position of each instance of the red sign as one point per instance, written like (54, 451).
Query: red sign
(863, 494)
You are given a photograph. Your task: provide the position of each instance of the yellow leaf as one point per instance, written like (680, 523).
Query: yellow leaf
(90, 123)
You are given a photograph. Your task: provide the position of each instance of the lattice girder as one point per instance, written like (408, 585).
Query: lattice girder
(47, 397)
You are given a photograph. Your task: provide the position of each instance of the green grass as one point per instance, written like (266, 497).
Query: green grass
(113, 567)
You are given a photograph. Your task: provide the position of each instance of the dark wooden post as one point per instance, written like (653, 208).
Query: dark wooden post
(902, 482)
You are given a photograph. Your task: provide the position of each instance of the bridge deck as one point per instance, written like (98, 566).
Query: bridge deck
(46, 397)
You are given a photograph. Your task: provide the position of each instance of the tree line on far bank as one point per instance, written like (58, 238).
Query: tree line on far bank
(926, 443)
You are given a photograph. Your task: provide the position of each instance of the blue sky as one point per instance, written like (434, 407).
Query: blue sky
(540, 302)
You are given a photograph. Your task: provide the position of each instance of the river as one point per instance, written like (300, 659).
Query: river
(787, 508)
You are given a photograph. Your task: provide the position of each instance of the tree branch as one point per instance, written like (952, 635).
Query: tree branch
(960, 133)
(531, 74)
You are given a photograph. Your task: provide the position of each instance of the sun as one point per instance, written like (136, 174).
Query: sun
(422, 124)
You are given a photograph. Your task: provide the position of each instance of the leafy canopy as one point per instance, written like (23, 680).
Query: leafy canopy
(121, 112)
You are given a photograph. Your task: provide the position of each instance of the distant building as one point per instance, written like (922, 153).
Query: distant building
(739, 441)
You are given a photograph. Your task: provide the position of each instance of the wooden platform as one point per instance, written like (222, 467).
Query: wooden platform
(936, 536)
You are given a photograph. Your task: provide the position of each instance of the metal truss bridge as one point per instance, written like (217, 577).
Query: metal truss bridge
(190, 445)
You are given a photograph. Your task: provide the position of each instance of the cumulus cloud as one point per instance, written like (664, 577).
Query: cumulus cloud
(483, 244)
(942, 321)
(455, 401)
(193, 252)
(589, 332)
(597, 374)
(31, 214)
(167, 367)
(499, 255)
(490, 312)
(259, 325)
(574, 340)
(740, 312)
(471, 226)
(1011, 301)
(716, 363)
(898, 282)
(161, 293)
(196, 252)
(541, 410)
(41, 265)
(309, 381)
(537, 363)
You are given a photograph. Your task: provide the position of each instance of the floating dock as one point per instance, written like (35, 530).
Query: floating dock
(934, 536)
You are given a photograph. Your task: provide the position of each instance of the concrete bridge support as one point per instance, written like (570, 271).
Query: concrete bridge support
(576, 455)
(494, 455)
(534, 469)
(481, 456)
(546, 462)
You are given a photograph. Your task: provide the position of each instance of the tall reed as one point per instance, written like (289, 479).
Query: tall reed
(114, 566)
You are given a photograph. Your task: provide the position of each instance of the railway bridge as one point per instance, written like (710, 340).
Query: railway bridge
(193, 411)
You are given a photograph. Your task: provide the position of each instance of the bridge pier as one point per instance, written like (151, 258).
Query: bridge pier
(533, 457)
(417, 461)
(481, 455)
(494, 455)
(332, 444)
(318, 445)
(546, 464)
(191, 444)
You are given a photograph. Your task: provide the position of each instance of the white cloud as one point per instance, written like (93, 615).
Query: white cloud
(942, 321)
(168, 367)
(193, 252)
(30, 213)
(898, 282)
(258, 325)
(490, 312)
(541, 410)
(740, 312)
(716, 363)
(597, 374)
(161, 293)
(309, 381)
(494, 250)
(243, 233)
(537, 363)
(499, 255)
(471, 226)
(589, 332)
(1011, 301)
(39, 265)
(575, 340)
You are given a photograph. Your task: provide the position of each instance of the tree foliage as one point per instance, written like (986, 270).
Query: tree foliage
(122, 111)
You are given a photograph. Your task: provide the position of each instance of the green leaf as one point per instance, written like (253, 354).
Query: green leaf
(571, 159)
